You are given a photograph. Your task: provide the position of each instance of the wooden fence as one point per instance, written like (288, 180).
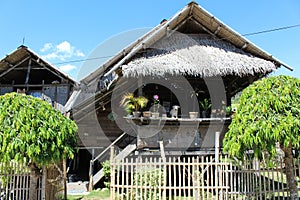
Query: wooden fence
(198, 177)
(15, 182)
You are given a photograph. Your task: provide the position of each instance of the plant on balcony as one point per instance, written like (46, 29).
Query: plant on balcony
(228, 110)
(205, 106)
(132, 104)
(155, 104)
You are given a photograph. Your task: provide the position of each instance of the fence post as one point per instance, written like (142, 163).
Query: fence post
(163, 156)
(44, 177)
(217, 168)
(112, 173)
(91, 176)
(217, 146)
(65, 178)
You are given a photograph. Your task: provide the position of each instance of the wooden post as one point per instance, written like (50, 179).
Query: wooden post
(163, 156)
(91, 177)
(162, 151)
(217, 169)
(217, 146)
(44, 177)
(65, 178)
(140, 86)
(28, 73)
(55, 97)
(112, 173)
(93, 157)
(91, 171)
(43, 90)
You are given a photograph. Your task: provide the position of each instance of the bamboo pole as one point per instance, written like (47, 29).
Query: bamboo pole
(65, 178)
(112, 174)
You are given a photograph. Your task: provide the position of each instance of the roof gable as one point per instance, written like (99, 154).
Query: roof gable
(201, 21)
(24, 59)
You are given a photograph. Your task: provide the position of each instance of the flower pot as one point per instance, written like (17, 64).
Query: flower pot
(147, 114)
(136, 113)
(155, 114)
(204, 114)
(193, 115)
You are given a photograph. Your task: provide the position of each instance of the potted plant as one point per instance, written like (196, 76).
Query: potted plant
(147, 114)
(228, 111)
(155, 106)
(205, 105)
(132, 104)
(194, 98)
(193, 115)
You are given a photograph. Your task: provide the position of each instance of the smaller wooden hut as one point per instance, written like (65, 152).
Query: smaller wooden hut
(24, 71)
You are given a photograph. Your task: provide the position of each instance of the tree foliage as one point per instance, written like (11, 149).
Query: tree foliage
(268, 113)
(32, 129)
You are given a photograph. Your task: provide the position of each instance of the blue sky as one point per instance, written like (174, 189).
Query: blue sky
(64, 31)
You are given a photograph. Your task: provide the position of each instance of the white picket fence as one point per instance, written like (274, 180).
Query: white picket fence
(15, 182)
(198, 177)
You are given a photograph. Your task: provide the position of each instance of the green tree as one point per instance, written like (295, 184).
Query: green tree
(268, 113)
(32, 131)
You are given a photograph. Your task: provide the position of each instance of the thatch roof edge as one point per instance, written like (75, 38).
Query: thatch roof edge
(248, 42)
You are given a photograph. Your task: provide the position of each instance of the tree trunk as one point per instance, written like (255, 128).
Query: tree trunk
(289, 170)
(34, 175)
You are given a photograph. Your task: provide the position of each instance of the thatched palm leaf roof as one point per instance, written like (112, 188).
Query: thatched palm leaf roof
(196, 55)
(224, 52)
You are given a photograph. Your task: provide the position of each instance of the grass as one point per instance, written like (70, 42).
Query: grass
(94, 195)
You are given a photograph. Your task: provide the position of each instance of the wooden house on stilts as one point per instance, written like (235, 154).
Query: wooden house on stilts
(192, 57)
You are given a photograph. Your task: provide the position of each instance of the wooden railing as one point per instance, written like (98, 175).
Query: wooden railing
(198, 177)
(106, 151)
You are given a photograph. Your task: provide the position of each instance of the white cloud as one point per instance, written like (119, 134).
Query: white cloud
(79, 53)
(67, 68)
(46, 47)
(61, 51)
(65, 47)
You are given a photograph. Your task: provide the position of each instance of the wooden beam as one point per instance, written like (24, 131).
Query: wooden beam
(204, 28)
(16, 65)
(181, 23)
(245, 45)
(32, 68)
(32, 85)
(140, 86)
(28, 73)
(11, 65)
(217, 30)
